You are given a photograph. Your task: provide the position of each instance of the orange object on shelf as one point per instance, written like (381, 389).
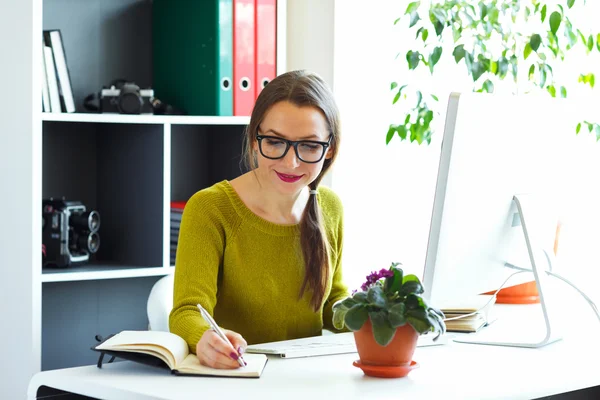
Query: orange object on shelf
(524, 293)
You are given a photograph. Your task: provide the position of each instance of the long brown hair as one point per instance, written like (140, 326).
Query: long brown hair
(303, 89)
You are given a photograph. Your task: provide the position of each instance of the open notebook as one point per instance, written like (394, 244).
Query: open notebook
(169, 350)
(325, 345)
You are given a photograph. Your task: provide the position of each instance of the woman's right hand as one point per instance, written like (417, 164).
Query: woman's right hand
(214, 352)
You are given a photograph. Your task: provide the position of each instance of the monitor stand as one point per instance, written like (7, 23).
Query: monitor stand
(516, 334)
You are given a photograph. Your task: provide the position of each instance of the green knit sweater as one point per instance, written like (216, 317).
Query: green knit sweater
(247, 271)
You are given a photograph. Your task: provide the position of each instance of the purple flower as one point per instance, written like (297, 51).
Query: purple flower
(376, 276)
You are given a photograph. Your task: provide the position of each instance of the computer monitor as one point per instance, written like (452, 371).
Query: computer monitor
(496, 147)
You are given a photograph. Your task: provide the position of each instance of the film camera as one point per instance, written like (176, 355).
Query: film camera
(69, 233)
(126, 98)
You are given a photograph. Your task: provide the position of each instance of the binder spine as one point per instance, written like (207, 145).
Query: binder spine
(225, 57)
(266, 43)
(243, 56)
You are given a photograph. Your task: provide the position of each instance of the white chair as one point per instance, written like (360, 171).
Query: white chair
(160, 303)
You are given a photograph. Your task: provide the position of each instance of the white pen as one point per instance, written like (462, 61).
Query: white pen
(215, 327)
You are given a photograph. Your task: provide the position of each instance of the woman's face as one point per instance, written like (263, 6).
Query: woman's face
(289, 175)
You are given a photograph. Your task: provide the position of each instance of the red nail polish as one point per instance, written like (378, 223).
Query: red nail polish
(240, 350)
(233, 355)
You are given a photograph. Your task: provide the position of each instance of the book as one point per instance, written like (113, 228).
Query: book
(479, 306)
(51, 80)
(165, 349)
(53, 38)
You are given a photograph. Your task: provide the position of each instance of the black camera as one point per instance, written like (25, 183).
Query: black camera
(126, 98)
(69, 233)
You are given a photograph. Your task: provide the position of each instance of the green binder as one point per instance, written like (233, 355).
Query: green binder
(193, 55)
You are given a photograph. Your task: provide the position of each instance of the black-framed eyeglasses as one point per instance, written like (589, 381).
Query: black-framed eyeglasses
(308, 151)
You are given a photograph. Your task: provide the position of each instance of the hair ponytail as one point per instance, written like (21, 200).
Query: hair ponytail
(315, 249)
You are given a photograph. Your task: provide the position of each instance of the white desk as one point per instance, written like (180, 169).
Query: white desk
(453, 371)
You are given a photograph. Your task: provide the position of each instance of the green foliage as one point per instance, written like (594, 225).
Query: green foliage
(472, 25)
(390, 300)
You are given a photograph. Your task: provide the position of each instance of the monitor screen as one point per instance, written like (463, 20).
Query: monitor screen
(494, 147)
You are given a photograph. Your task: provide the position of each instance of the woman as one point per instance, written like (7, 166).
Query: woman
(262, 253)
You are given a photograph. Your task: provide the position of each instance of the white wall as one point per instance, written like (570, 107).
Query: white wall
(20, 167)
(387, 190)
(310, 40)
(310, 36)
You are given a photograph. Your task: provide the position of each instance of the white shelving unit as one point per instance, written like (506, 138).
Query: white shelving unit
(128, 167)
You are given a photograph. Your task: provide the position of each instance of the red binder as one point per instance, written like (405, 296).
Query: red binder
(243, 57)
(266, 43)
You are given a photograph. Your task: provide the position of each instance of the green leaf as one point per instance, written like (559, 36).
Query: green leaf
(578, 128)
(419, 98)
(412, 7)
(552, 90)
(570, 3)
(590, 43)
(382, 330)
(396, 315)
(348, 302)
(360, 297)
(394, 85)
(502, 67)
(535, 41)
(396, 97)
(477, 70)
(555, 19)
(413, 58)
(598, 42)
(542, 76)
(527, 51)
(543, 13)
(459, 52)
(435, 57)
(338, 317)
(411, 287)
(390, 134)
(488, 86)
(412, 279)
(397, 20)
(483, 9)
(563, 92)
(531, 71)
(356, 317)
(414, 18)
(393, 284)
(456, 33)
(401, 129)
(376, 297)
(597, 132)
(418, 320)
(433, 96)
(592, 79)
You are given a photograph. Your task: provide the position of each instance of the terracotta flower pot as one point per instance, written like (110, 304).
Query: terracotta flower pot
(398, 352)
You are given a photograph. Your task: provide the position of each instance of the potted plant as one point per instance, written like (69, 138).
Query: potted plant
(387, 316)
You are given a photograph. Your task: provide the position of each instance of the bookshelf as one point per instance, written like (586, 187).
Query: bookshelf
(127, 167)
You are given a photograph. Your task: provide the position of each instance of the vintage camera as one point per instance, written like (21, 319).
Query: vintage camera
(69, 233)
(126, 98)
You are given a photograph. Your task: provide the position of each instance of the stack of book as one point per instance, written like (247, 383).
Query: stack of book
(176, 214)
(458, 318)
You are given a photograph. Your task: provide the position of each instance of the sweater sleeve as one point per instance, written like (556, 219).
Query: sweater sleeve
(339, 290)
(199, 257)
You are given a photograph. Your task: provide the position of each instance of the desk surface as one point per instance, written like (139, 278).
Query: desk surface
(461, 371)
